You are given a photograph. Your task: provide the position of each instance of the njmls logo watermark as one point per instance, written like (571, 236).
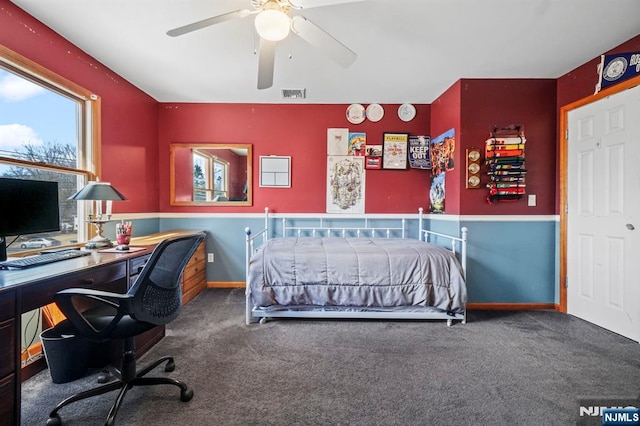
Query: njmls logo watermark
(609, 411)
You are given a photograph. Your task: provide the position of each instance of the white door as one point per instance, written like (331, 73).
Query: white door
(603, 220)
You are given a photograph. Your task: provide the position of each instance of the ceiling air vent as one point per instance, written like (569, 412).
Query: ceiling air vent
(294, 93)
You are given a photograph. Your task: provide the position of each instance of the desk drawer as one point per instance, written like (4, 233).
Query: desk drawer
(34, 296)
(8, 401)
(136, 264)
(7, 350)
(135, 267)
(7, 305)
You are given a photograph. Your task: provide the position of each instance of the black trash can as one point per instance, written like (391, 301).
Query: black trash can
(66, 355)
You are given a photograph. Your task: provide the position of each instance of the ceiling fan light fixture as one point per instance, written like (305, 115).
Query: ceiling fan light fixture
(272, 25)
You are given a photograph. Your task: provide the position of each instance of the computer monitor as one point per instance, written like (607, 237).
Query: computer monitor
(27, 207)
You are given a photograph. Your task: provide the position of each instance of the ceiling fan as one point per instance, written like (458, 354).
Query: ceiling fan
(273, 22)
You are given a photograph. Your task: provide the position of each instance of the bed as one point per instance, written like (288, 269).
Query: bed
(362, 270)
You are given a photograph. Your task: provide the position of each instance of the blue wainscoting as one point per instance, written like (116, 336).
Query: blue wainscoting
(512, 262)
(510, 259)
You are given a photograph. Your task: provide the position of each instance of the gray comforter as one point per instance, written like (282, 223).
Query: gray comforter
(356, 272)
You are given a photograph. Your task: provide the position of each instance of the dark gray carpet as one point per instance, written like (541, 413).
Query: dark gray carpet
(501, 368)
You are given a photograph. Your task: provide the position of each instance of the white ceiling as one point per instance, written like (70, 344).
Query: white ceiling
(408, 50)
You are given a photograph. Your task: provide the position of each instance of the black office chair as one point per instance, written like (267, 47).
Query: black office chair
(154, 299)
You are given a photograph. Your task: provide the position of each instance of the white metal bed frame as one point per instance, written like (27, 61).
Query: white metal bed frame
(365, 231)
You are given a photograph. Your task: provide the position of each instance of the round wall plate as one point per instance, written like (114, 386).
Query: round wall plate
(375, 112)
(406, 112)
(474, 155)
(355, 113)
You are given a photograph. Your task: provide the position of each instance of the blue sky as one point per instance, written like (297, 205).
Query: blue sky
(30, 113)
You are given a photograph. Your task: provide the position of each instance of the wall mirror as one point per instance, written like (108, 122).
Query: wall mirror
(210, 174)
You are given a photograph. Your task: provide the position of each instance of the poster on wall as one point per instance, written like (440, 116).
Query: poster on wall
(345, 184)
(442, 151)
(420, 152)
(337, 141)
(357, 143)
(437, 194)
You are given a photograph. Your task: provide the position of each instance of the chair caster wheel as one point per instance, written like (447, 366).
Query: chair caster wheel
(170, 366)
(186, 395)
(54, 421)
(449, 323)
(104, 377)
(263, 320)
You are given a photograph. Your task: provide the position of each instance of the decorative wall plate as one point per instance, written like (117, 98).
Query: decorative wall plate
(355, 113)
(474, 155)
(406, 112)
(375, 112)
(473, 168)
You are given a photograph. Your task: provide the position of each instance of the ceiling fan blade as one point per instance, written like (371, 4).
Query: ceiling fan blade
(266, 62)
(308, 4)
(209, 21)
(321, 40)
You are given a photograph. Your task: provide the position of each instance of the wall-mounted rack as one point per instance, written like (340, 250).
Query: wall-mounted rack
(505, 161)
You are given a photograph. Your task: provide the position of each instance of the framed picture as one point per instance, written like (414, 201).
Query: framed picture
(275, 171)
(394, 150)
(374, 163)
(373, 159)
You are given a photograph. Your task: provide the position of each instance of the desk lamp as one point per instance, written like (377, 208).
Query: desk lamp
(99, 192)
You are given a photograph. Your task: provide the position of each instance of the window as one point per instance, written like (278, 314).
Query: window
(48, 131)
(46, 127)
(210, 177)
(220, 179)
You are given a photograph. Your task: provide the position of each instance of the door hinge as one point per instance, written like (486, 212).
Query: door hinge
(566, 282)
(566, 134)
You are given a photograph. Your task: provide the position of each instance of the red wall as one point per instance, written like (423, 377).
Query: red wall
(445, 115)
(299, 131)
(129, 116)
(530, 103)
(472, 107)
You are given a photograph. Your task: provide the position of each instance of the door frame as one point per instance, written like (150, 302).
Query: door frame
(563, 138)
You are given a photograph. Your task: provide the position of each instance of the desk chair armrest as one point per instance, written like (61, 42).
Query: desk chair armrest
(119, 303)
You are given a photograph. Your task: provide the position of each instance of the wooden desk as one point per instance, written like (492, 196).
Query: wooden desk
(25, 290)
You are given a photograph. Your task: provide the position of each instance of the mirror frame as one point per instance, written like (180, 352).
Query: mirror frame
(212, 145)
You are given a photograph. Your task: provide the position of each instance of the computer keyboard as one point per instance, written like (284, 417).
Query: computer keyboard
(43, 259)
